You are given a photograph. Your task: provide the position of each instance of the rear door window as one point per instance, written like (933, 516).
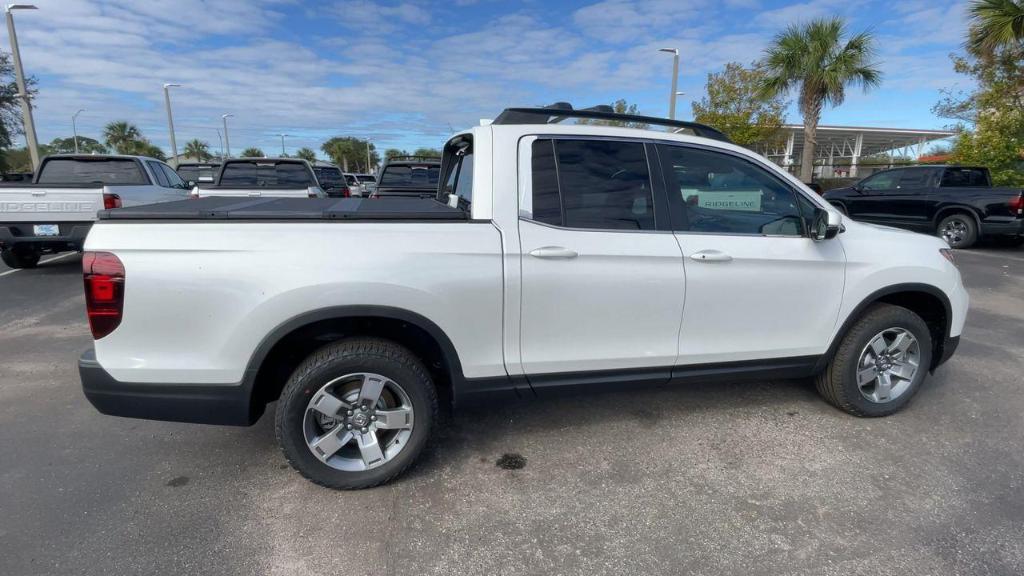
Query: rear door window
(595, 184)
(158, 174)
(107, 171)
(964, 178)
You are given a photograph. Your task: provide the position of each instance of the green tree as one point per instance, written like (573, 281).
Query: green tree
(349, 152)
(10, 110)
(253, 152)
(819, 62)
(122, 137)
(995, 24)
(306, 154)
(620, 106)
(198, 149)
(735, 104)
(86, 145)
(429, 152)
(392, 152)
(146, 148)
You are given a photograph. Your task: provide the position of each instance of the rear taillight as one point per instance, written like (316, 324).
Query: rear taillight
(111, 201)
(104, 291)
(346, 192)
(1017, 204)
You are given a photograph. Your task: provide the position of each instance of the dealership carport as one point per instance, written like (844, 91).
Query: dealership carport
(840, 148)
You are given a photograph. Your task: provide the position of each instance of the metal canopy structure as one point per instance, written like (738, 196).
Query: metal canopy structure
(840, 148)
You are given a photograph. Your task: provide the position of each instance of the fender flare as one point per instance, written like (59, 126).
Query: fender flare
(856, 313)
(945, 210)
(451, 357)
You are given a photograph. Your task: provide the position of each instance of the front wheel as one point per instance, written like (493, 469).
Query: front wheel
(20, 258)
(958, 230)
(880, 362)
(356, 413)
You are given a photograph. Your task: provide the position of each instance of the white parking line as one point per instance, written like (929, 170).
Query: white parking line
(41, 262)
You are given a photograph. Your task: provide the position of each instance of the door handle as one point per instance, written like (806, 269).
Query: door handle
(554, 252)
(710, 256)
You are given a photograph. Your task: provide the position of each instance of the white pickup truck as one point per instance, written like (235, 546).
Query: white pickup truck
(559, 255)
(263, 177)
(54, 213)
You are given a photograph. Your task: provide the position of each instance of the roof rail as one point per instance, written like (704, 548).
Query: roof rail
(561, 110)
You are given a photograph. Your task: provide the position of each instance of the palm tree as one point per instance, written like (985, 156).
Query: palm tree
(197, 149)
(253, 152)
(306, 154)
(816, 59)
(121, 136)
(995, 23)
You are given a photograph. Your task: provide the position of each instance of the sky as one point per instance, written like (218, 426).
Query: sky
(407, 73)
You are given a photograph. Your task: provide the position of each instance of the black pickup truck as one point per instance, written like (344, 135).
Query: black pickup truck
(957, 203)
(409, 177)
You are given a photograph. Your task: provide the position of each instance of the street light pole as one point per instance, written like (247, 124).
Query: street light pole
(74, 127)
(19, 76)
(282, 143)
(227, 141)
(367, 155)
(675, 81)
(170, 121)
(221, 143)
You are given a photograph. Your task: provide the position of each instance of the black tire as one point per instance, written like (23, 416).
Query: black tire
(838, 382)
(337, 359)
(20, 258)
(958, 230)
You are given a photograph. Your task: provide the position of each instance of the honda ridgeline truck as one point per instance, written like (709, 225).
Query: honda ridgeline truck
(54, 213)
(555, 256)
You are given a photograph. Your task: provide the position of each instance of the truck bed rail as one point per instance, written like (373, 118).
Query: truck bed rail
(222, 208)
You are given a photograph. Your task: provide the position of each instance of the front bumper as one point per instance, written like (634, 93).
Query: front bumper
(200, 404)
(72, 235)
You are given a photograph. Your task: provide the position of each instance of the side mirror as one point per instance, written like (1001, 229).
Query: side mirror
(191, 183)
(826, 224)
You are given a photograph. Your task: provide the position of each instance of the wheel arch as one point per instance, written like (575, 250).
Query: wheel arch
(290, 342)
(927, 301)
(953, 208)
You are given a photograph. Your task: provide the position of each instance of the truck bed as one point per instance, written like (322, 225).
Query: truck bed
(262, 209)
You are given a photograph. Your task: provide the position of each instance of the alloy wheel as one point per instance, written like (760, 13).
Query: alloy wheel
(888, 365)
(358, 421)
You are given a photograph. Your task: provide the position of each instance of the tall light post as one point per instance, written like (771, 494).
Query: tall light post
(282, 142)
(221, 143)
(675, 81)
(74, 127)
(367, 155)
(227, 141)
(19, 76)
(170, 120)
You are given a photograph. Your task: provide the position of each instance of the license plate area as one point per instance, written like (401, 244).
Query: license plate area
(46, 230)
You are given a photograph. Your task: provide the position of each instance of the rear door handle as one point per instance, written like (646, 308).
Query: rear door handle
(553, 252)
(710, 256)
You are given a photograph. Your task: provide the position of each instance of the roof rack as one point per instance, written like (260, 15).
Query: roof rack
(561, 110)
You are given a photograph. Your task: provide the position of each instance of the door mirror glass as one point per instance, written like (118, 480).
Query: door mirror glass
(826, 224)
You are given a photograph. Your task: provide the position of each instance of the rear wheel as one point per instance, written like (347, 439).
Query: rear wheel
(356, 413)
(20, 257)
(958, 230)
(880, 362)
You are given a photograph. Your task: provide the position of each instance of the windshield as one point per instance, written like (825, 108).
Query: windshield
(259, 174)
(108, 171)
(411, 176)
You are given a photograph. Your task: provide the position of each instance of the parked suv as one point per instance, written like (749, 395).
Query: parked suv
(553, 256)
(957, 203)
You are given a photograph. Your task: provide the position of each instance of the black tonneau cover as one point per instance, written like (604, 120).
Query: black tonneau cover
(223, 208)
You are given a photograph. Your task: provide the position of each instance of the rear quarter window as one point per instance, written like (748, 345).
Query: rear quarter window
(107, 171)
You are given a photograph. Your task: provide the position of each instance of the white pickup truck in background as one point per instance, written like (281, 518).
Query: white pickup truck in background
(263, 177)
(54, 212)
(554, 256)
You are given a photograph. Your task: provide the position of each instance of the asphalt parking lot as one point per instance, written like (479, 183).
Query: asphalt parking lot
(760, 478)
